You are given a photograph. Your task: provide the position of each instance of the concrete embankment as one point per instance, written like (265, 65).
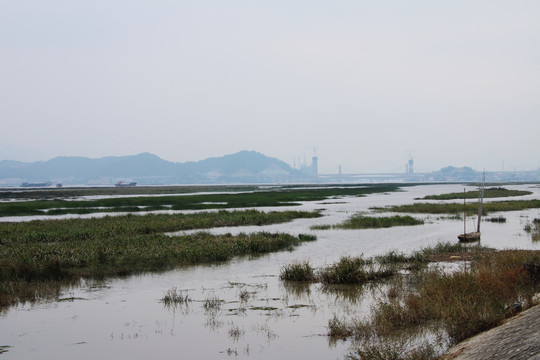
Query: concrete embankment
(517, 338)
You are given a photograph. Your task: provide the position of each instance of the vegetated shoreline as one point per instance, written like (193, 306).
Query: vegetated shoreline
(37, 258)
(456, 305)
(277, 197)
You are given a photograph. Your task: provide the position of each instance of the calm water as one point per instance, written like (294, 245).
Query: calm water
(259, 317)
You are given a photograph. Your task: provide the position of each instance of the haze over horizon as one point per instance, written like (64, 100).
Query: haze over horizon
(362, 84)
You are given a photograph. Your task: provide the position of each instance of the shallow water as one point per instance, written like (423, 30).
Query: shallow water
(259, 316)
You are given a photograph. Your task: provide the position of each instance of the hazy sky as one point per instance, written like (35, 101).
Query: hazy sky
(365, 82)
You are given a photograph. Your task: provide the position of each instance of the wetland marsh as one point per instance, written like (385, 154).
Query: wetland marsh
(238, 308)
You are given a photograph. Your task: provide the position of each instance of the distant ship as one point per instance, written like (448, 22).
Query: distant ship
(124, 184)
(42, 184)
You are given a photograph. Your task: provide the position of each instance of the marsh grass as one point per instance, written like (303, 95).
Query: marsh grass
(533, 228)
(495, 192)
(354, 270)
(372, 222)
(173, 297)
(456, 208)
(63, 251)
(360, 221)
(212, 303)
(496, 219)
(460, 303)
(299, 271)
(280, 197)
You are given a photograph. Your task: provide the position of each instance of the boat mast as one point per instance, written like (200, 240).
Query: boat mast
(480, 201)
(464, 214)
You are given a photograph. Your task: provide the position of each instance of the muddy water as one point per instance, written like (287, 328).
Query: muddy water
(239, 309)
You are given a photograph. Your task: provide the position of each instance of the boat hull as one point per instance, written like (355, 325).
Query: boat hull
(469, 237)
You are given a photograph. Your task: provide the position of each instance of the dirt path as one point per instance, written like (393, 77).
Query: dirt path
(518, 338)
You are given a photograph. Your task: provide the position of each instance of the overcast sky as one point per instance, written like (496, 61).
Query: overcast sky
(363, 83)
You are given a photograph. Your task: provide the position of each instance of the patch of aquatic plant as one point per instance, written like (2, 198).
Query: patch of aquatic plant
(496, 219)
(456, 208)
(38, 252)
(212, 303)
(533, 227)
(320, 227)
(460, 303)
(360, 221)
(495, 192)
(354, 270)
(276, 197)
(75, 192)
(112, 226)
(372, 222)
(299, 271)
(175, 297)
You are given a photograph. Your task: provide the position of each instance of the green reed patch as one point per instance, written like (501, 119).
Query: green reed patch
(495, 192)
(456, 208)
(372, 222)
(299, 271)
(65, 250)
(278, 197)
(360, 221)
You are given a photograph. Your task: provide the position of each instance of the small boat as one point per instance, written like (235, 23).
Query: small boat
(475, 235)
(124, 184)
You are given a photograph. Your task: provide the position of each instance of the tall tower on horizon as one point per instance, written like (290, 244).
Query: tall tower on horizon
(315, 166)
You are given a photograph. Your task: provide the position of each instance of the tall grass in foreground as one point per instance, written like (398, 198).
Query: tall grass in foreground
(459, 304)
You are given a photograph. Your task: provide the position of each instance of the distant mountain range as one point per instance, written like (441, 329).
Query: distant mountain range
(244, 167)
(149, 169)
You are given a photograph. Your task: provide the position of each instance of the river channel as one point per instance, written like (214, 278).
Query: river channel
(239, 309)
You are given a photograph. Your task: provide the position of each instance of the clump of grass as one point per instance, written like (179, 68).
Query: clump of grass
(497, 219)
(354, 270)
(533, 228)
(321, 227)
(212, 303)
(338, 328)
(300, 271)
(174, 297)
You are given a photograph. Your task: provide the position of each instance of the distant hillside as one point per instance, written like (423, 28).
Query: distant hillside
(145, 168)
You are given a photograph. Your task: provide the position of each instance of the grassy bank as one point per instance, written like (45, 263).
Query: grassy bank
(36, 257)
(455, 305)
(277, 197)
(497, 192)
